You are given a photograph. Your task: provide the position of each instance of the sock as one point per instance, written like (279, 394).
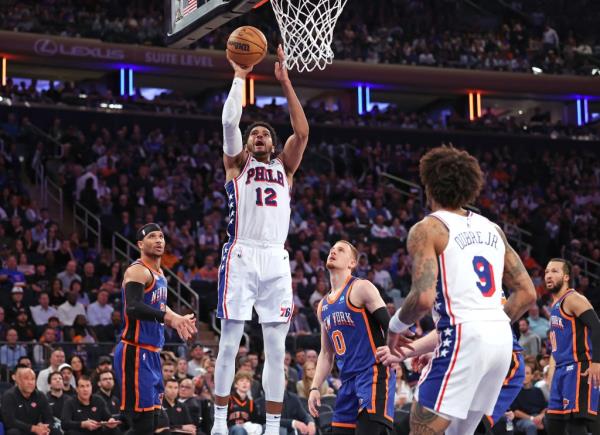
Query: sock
(221, 415)
(273, 423)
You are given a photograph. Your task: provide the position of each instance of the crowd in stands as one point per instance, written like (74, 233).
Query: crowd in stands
(57, 290)
(549, 35)
(68, 94)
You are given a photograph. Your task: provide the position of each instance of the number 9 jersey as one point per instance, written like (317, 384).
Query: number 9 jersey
(469, 286)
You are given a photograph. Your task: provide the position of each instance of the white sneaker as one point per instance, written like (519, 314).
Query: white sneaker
(219, 429)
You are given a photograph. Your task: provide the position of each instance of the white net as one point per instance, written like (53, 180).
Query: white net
(307, 31)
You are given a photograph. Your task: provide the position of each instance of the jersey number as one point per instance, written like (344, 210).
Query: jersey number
(270, 197)
(338, 342)
(485, 272)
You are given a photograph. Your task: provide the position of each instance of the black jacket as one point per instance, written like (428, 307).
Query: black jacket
(21, 413)
(292, 410)
(57, 404)
(75, 412)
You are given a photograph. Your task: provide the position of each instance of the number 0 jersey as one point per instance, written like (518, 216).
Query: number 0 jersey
(470, 270)
(259, 203)
(353, 333)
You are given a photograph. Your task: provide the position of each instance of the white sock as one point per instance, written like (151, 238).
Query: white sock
(221, 415)
(273, 423)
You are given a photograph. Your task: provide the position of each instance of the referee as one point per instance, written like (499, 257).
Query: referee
(25, 410)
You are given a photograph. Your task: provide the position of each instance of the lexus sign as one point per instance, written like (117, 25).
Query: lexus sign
(49, 47)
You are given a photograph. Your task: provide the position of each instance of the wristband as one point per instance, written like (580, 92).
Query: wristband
(396, 325)
(314, 389)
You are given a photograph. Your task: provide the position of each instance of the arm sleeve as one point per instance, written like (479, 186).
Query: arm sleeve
(136, 308)
(9, 412)
(590, 319)
(232, 113)
(382, 317)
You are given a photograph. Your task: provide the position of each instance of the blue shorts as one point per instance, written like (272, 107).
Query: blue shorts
(510, 387)
(571, 394)
(138, 373)
(373, 390)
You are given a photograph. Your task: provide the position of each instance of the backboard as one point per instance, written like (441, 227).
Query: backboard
(189, 20)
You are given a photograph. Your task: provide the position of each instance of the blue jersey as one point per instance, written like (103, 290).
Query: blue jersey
(353, 333)
(569, 337)
(148, 333)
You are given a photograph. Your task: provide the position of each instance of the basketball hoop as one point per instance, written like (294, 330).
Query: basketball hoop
(307, 31)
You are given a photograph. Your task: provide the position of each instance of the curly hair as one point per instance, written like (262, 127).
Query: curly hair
(260, 124)
(452, 177)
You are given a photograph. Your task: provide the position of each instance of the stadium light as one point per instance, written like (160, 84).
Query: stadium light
(579, 112)
(360, 100)
(536, 70)
(131, 89)
(122, 82)
(251, 97)
(4, 71)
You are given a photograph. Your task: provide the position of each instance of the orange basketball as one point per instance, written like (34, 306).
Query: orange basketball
(247, 46)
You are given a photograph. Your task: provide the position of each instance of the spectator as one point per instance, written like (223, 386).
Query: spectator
(292, 373)
(544, 384)
(25, 329)
(78, 366)
(69, 274)
(242, 415)
(529, 406)
(40, 281)
(83, 414)
(66, 372)
(90, 282)
(537, 324)
(81, 332)
(57, 358)
(57, 293)
(182, 369)
(179, 416)
(303, 386)
(529, 341)
(10, 273)
(379, 229)
(208, 272)
(70, 309)
(200, 410)
(195, 363)
(106, 390)
(550, 39)
(43, 350)
(25, 410)
(100, 312)
(11, 351)
(168, 370)
(3, 325)
(56, 397)
(42, 312)
(16, 305)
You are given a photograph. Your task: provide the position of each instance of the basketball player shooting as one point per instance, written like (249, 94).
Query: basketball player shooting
(255, 269)
(460, 261)
(145, 312)
(354, 321)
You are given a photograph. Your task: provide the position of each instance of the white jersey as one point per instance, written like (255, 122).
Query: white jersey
(469, 284)
(259, 203)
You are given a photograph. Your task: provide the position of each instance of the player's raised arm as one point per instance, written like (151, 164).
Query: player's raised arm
(291, 156)
(516, 279)
(233, 148)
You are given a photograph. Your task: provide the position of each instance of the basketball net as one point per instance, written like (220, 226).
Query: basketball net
(307, 31)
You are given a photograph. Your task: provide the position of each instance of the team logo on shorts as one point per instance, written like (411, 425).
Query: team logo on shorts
(285, 312)
(565, 403)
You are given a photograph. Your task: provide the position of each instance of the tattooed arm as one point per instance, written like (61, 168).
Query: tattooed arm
(425, 239)
(517, 279)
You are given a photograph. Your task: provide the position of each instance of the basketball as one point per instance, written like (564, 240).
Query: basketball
(247, 46)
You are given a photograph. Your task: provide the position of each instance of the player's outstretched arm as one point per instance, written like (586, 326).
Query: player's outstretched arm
(234, 155)
(517, 279)
(294, 147)
(578, 305)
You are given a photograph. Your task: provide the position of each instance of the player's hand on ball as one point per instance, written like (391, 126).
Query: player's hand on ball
(385, 356)
(239, 70)
(314, 401)
(593, 372)
(281, 73)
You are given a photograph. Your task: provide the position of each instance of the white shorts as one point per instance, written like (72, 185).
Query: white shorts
(255, 274)
(467, 371)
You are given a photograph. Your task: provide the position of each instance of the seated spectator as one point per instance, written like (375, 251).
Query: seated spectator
(208, 272)
(43, 350)
(57, 293)
(82, 297)
(303, 386)
(10, 273)
(99, 313)
(200, 410)
(16, 305)
(70, 309)
(90, 281)
(24, 327)
(78, 366)
(178, 413)
(69, 274)
(41, 313)
(529, 406)
(106, 390)
(182, 369)
(84, 413)
(537, 324)
(56, 396)
(529, 341)
(57, 358)
(195, 363)
(81, 332)
(11, 351)
(242, 415)
(168, 370)
(24, 409)
(3, 325)
(66, 372)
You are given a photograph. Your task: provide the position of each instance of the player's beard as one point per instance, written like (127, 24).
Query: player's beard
(555, 288)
